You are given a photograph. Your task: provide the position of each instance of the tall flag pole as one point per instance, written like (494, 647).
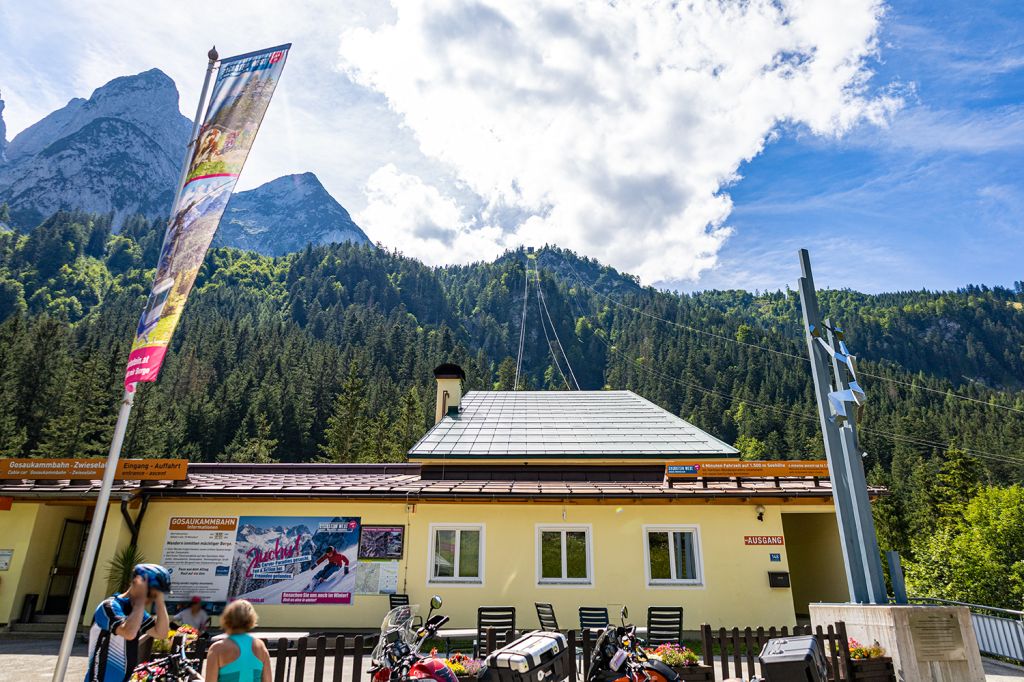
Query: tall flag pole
(217, 150)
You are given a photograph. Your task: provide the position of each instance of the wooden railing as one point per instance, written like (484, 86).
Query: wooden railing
(738, 647)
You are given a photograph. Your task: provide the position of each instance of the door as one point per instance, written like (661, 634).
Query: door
(65, 566)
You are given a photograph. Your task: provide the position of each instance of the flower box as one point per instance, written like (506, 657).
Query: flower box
(873, 669)
(695, 673)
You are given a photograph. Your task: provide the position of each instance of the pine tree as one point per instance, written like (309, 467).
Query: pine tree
(411, 420)
(345, 426)
(252, 445)
(506, 375)
(84, 420)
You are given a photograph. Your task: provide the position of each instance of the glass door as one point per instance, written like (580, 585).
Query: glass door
(65, 566)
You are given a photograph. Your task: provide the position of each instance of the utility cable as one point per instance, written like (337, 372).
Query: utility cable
(522, 324)
(1004, 458)
(544, 304)
(547, 338)
(794, 356)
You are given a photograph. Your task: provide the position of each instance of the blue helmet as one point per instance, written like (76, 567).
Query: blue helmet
(157, 577)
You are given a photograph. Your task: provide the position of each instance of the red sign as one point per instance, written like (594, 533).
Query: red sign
(763, 540)
(5, 503)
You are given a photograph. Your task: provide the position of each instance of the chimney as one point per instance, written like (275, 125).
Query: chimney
(449, 389)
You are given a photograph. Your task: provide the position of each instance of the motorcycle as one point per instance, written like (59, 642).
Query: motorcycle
(397, 657)
(619, 656)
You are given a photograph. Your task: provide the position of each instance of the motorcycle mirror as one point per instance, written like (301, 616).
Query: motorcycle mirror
(624, 614)
(435, 602)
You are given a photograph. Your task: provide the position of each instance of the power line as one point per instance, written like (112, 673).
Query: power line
(794, 356)
(1004, 458)
(522, 325)
(544, 304)
(547, 338)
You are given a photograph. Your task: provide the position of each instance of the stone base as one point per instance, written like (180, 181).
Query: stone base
(926, 643)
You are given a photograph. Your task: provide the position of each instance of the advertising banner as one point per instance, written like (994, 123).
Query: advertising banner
(92, 469)
(238, 101)
(295, 559)
(698, 469)
(198, 553)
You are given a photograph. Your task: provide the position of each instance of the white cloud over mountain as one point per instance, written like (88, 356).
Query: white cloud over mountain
(612, 128)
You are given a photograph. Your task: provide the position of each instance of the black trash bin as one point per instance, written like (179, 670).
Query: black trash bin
(28, 608)
(793, 659)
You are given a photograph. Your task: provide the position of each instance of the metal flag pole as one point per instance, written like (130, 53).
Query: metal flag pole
(103, 498)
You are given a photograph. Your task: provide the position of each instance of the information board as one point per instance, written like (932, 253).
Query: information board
(92, 469)
(198, 552)
(377, 577)
(782, 468)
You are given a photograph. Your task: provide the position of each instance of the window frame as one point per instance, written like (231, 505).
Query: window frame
(698, 558)
(563, 528)
(456, 580)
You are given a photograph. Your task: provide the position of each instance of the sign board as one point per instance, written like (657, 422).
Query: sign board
(760, 540)
(700, 469)
(92, 469)
(936, 636)
(295, 559)
(775, 556)
(198, 553)
(381, 542)
(377, 577)
(5, 503)
(5, 559)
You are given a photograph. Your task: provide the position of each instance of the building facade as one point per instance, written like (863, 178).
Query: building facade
(511, 498)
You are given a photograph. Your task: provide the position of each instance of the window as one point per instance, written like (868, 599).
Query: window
(563, 554)
(673, 555)
(456, 554)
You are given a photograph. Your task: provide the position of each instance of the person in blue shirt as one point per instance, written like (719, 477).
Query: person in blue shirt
(121, 619)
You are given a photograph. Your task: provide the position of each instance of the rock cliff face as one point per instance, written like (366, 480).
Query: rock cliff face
(284, 215)
(120, 152)
(117, 152)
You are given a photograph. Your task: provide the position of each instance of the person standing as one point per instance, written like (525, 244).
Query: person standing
(336, 561)
(239, 657)
(195, 615)
(121, 619)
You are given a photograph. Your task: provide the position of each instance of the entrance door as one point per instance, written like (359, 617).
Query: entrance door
(65, 566)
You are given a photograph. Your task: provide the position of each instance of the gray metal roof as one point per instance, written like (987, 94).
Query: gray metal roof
(565, 424)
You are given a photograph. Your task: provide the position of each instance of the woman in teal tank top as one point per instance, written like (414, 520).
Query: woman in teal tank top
(240, 657)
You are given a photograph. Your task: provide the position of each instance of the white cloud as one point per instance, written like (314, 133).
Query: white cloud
(610, 128)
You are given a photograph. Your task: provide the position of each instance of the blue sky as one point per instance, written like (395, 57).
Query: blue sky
(697, 145)
(936, 201)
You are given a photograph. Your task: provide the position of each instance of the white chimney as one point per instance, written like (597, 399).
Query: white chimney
(449, 389)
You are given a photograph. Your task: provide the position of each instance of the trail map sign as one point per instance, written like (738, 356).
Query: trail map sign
(702, 469)
(286, 559)
(92, 469)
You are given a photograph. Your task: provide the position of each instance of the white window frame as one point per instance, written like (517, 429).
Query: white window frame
(698, 558)
(456, 581)
(564, 528)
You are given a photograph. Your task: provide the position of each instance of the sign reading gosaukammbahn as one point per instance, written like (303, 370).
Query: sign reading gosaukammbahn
(701, 469)
(238, 101)
(295, 559)
(198, 551)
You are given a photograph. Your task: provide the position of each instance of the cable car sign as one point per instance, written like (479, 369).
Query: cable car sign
(708, 469)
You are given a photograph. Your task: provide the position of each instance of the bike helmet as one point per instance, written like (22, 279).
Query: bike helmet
(157, 577)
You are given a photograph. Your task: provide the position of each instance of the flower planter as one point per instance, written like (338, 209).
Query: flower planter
(872, 670)
(695, 673)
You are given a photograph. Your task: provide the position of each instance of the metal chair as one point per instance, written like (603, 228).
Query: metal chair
(396, 600)
(502, 619)
(664, 625)
(593, 617)
(546, 616)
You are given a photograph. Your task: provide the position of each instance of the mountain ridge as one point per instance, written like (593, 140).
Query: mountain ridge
(120, 152)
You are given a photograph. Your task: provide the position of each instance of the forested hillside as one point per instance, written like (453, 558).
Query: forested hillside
(327, 353)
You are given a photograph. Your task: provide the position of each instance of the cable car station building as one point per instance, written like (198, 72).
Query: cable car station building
(511, 498)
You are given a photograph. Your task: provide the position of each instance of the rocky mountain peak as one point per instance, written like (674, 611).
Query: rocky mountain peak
(3, 133)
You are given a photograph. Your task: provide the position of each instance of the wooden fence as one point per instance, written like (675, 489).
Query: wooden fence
(741, 647)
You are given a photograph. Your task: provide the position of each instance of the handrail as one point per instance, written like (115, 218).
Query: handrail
(979, 607)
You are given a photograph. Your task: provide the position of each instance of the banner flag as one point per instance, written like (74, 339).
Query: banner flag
(238, 101)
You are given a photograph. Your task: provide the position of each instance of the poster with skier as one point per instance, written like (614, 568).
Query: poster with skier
(295, 559)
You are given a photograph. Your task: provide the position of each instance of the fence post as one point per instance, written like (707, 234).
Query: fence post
(723, 653)
(737, 661)
(357, 659)
(300, 658)
(570, 651)
(339, 657)
(587, 651)
(707, 644)
(844, 649)
(491, 640)
(318, 664)
(281, 664)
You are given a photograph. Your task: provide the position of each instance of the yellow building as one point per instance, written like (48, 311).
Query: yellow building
(510, 499)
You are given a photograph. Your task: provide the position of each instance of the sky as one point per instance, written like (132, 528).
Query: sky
(696, 145)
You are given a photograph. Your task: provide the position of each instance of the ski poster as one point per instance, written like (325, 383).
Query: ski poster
(295, 559)
(238, 101)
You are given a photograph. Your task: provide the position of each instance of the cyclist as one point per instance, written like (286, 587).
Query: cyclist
(120, 620)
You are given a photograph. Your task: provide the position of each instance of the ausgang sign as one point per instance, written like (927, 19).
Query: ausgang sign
(79, 469)
(701, 469)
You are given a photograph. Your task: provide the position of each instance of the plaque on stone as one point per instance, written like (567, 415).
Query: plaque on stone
(936, 636)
